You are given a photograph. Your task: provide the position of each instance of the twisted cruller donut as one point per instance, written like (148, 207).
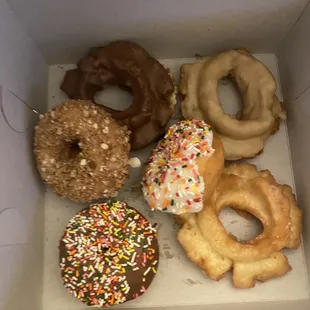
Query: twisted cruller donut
(244, 188)
(245, 136)
(81, 152)
(184, 169)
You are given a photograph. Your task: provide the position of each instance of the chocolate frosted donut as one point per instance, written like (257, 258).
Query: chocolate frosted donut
(108, 254)
(81, 152)
(127, 64)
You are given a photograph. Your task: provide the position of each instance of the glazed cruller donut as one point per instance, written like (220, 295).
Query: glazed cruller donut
(207, 243)
(245, 135)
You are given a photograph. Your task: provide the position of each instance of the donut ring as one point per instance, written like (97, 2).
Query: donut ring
(127, 64)
(108, 254)
(244, 136)
(244, 188)
(184, 169)
(81, 152)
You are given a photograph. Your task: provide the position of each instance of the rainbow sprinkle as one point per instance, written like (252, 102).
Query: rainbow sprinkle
(171, 182)
(108, 254)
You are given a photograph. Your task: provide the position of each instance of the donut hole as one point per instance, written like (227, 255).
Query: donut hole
(240, 225)
(74, 149)
(92, 165)
(116, 97)
(229, 96)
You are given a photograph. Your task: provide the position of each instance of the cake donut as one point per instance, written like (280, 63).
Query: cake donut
(184, 169)
(127, 64)
(244, 188)
(245, 135)
(81, 152)
(108, 254)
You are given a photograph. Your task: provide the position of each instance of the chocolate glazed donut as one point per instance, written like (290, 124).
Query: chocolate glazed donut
(128, 65)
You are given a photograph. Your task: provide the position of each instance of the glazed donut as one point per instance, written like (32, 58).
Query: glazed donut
(81, 152)
(127, 64)
(245, 136)
(244, 188)
(184, 169)
(108, 254)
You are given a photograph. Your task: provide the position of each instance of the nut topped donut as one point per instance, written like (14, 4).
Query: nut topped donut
(125, 63)
(108, 254)
(81, 152)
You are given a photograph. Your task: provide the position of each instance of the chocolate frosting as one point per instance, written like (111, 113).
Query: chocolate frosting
(127, 64)
(108, 254)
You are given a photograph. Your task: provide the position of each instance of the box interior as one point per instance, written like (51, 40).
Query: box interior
(176, 273)
(64, 30)
(41, 42)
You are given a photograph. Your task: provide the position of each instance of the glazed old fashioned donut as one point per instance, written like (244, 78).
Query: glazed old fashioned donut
(244, 136)
(108, 254)
(127, 64)
(81, 152)
(244, 188)
(184, 169)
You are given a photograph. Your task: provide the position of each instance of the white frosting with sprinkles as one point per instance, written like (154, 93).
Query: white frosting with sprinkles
(171, 182)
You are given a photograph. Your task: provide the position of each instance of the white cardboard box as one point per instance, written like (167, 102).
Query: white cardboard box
(42, 39)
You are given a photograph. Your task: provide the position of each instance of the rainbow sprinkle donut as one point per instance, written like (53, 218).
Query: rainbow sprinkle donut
(171, 181)
(108, 254)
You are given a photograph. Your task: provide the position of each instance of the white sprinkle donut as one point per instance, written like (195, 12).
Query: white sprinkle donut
(176, 179)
